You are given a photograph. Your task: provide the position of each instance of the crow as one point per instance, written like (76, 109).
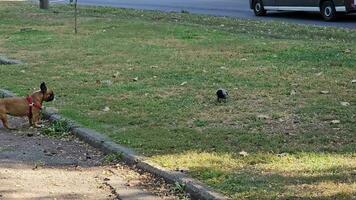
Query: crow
(222, 94)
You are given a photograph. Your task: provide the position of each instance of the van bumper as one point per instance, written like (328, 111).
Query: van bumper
(351, 6)
(351, 10)
(345, 9)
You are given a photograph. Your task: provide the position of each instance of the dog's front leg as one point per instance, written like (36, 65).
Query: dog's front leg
(36, 120)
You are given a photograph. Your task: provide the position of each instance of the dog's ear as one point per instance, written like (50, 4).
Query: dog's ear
(43, 87)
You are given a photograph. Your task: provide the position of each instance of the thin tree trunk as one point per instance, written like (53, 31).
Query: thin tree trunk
(75, 17)
(44, 4)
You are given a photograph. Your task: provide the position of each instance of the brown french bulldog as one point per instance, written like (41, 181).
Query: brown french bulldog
(29, 106)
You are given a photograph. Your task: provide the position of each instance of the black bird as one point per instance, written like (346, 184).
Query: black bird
(222, 94)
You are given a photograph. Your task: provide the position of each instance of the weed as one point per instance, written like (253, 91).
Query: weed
(57, 129)
(112, 158)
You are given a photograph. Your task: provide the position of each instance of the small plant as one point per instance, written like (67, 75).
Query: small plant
(187, 34)
(200, 123)
(178, 187)
(112, 158)
(57, 129)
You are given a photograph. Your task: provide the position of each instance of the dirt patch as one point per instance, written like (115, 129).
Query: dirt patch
(34, 166)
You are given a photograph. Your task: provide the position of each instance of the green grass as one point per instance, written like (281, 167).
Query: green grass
(112, 159)
(294, 152)
(57, 129)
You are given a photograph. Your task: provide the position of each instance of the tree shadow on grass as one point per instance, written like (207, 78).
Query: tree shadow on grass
(154, 141)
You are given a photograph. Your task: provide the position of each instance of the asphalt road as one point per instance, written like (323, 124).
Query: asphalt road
(231, 8)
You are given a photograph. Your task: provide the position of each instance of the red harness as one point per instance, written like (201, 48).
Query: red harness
(31, 104)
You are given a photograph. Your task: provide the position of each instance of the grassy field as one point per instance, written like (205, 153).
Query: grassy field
(157, 73)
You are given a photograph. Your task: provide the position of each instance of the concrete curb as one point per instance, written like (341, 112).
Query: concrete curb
(196, 189)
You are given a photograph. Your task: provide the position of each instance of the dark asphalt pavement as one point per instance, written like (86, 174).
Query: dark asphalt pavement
(231, 8)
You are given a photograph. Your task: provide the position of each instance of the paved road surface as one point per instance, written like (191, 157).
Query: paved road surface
(232, 8)
(39, 167)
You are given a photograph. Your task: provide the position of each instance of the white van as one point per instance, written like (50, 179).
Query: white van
(327, 8)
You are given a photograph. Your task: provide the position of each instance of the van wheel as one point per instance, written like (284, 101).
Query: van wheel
(328, 11)
(258, 8)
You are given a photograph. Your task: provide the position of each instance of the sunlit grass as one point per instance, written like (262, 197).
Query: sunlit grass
(286, 176)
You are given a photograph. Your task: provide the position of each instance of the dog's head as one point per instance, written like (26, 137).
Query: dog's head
(48, 94)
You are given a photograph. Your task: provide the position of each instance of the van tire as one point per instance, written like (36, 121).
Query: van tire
(328, 11)
(258, 8)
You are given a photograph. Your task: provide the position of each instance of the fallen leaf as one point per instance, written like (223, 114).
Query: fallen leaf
(133, 183)
(106, 109)
(243, 153)
(335, 121)
(291, 134)
(344, 103)
(184, 83)
(282, 154)
(106, 82)
(347, 50)
(261, 116)
(319, 74)
(35, 167)
(116, 75)
(293, 92)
